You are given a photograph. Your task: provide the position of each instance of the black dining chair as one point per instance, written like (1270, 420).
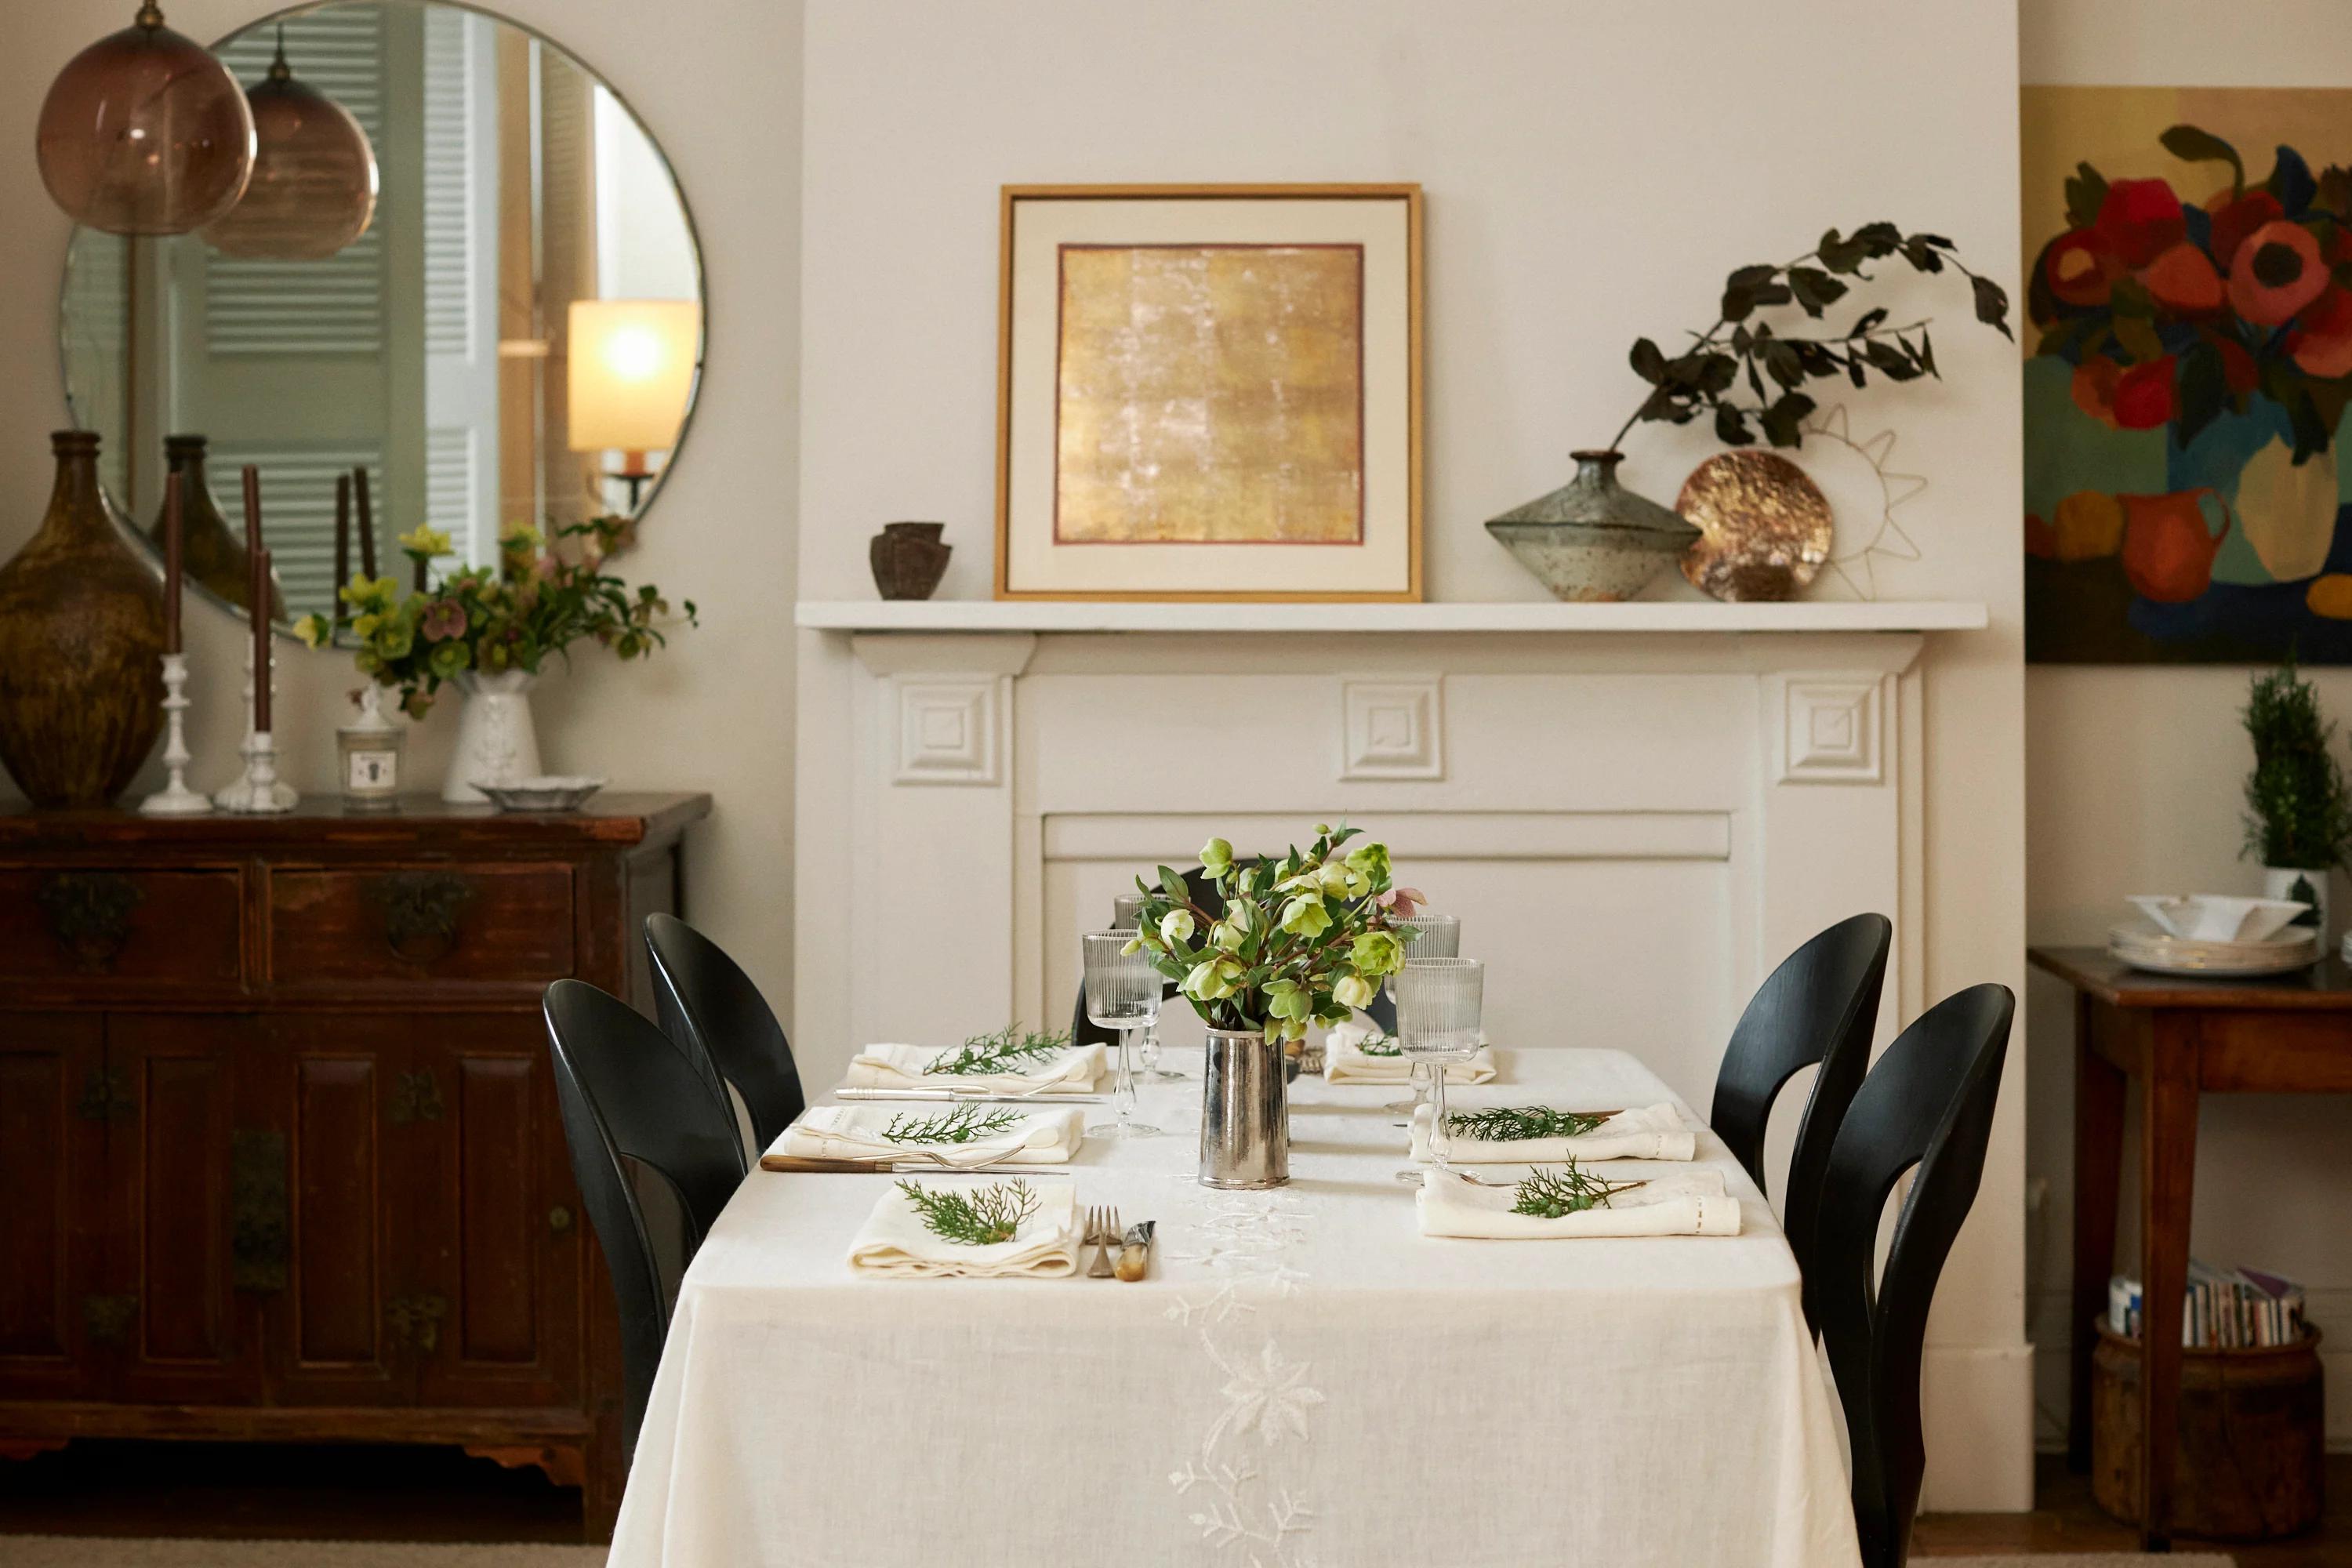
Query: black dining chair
(1928, 1103)
(641, 1122)
(1821, 1005)
(1083, 1031)
(712, 1010)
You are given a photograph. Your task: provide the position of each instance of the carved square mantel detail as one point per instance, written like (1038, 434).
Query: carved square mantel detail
(947, 729)
(1393, 729)
(1830, 730)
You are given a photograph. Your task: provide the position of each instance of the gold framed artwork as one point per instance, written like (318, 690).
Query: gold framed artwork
(1209, 392)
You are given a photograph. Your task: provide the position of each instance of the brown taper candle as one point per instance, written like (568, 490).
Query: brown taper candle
(256, 599)
(367, 522)
(342, 545)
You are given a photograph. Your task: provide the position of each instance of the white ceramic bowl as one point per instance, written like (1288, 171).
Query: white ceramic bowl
(2219, 917)
(554, 792)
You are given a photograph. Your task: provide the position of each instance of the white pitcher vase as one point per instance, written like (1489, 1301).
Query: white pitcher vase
(496, 742)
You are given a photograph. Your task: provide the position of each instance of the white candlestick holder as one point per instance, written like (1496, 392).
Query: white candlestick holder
(257, 792)
(175, 798)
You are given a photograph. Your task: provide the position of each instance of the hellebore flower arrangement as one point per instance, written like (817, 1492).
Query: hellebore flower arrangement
(545, 594)
(1302, 939)
(2171, 312)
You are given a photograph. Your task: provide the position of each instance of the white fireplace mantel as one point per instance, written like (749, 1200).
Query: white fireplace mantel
(1678, 615)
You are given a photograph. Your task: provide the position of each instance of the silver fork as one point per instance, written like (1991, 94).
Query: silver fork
(1102, 1229)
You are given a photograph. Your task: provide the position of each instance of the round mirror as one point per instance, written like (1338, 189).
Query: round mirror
(461, 292)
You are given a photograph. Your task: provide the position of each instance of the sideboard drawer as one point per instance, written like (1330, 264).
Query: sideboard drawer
(454, 923)
(119, 929)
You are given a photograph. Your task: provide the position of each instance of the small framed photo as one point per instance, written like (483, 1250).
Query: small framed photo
(1209, 392)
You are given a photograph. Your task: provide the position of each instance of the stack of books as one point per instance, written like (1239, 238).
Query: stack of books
(2225, 1308)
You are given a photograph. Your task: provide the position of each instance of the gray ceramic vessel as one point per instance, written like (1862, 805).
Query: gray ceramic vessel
(1592, 539)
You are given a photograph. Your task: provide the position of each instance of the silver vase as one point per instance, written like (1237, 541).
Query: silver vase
(1244, 1112)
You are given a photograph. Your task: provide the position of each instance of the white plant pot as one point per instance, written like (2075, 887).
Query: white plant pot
(496, 742)
(2310, 887)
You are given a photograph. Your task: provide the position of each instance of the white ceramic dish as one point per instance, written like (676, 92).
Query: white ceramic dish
(2144, 947)
(2217, 917)
(553, 793)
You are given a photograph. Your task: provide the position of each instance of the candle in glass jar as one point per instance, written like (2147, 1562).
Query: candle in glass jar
(173, 563)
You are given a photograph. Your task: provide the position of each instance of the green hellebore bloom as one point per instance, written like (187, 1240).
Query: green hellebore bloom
(1354, 990)
(1372, 860)
(1283, 999)
(1376, 952)
(1216, 856)
(425, 543)
(1305, 916)
(1338, 883)
(1134, 945)
(1228, 935)
(1212, 980)
(449, 659)
(313, 630)
(394, 640)
(1176, 925)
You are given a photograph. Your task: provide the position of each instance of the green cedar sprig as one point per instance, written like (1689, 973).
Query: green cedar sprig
(973, 1217)
(1002, 1051)
(1515, 1123)
(962, 1124)
(1554, 1194)
(1382, 1045)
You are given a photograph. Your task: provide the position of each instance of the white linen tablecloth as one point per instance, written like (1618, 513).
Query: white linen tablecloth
(1303, 1380)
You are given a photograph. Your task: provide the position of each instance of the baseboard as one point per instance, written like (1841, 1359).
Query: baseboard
(1977, 1412)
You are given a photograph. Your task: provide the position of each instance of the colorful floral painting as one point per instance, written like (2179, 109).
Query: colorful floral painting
(2187, 374)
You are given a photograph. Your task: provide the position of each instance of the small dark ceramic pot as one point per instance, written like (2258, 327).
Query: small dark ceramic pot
(909, 559)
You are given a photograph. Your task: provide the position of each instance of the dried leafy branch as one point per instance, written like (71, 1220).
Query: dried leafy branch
(1774, 367)
(973, 1217)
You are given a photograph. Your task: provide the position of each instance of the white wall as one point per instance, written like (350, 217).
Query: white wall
(2134, 776)
(1593, 170)
(715, 711)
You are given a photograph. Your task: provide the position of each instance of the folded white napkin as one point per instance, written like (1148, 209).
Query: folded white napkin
(854, 1133)
(894, 1240)
(1344, 1060)
(1655, 1133)
(1693, 1203)
(1071, 1071)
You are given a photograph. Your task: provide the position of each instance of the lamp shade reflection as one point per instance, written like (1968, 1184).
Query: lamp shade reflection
(314, 177)
(630, 373)
(145, 132)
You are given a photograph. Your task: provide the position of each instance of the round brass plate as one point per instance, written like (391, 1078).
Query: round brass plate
(1765, 526)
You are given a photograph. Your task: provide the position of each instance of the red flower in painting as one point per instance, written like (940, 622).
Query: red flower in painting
(2275, 273)
(2093, 388)
(2140, 220)
(2144, 397)
(2234, 219)
(2082, 268)
(2321, 342)
(2183, 281)
(2239, 372)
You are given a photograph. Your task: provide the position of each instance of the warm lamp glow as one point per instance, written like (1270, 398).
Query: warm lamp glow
(630, 372)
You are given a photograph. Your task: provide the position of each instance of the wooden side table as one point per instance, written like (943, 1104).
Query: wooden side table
(2181, 1038)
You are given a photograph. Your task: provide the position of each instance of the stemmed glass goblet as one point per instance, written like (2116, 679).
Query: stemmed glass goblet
(1127, 914)
(1436, 936)
(1439, 1001)
(1122, 994)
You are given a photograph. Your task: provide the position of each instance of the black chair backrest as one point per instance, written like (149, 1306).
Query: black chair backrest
(1821, 1005)
(714, 1013)
(1928, 1103)
(1083, 1029)
(634, 1108)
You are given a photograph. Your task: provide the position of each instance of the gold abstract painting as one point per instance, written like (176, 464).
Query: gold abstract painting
(1209, 394)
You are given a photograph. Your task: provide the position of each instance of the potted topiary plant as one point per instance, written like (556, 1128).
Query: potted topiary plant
(2298, 811)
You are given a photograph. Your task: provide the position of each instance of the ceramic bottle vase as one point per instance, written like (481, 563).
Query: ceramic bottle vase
(215, 551)
(1593, 539)
(82, 646)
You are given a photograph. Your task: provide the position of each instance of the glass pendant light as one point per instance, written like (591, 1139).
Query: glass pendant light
(145, 131)
(314, 182)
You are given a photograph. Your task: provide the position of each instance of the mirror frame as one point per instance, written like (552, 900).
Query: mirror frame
(131, 525)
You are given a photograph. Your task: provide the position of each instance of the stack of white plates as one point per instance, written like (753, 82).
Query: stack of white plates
(2144, 945)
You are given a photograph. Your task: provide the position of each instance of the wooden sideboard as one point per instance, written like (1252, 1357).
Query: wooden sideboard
(280, 1155)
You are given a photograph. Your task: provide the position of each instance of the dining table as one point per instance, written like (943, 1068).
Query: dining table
(1301, 1378)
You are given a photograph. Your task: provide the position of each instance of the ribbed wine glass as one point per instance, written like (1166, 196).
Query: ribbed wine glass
(1439, 1003)
(1122, 994)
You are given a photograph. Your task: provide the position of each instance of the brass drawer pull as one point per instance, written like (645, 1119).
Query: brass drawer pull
(558, 1219)
(422, 910)
(415, 1321)
(89, 914)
